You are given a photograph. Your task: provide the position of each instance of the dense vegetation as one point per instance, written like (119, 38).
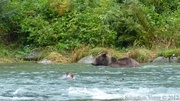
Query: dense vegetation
(67, 24)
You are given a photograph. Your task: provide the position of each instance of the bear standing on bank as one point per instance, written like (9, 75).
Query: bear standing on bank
(105, 60)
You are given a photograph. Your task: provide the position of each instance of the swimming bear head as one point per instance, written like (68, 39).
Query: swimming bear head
(68, 75)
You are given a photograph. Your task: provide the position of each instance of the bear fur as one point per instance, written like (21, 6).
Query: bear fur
(105, 60)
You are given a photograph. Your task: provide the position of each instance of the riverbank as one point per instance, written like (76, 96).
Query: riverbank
(142, 55)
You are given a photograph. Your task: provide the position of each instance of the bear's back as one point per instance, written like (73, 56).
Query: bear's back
(128, 62)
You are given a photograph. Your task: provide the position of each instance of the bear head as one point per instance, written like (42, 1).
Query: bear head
(101, 60)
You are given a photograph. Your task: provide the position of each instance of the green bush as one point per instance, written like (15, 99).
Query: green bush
(66, 24)
(147, 23)
(70, 29)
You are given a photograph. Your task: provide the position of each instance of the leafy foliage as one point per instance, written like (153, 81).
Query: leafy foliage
(143, 23)
(66, 24)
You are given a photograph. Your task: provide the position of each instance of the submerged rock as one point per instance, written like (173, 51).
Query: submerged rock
(167, 60)
(87, 59)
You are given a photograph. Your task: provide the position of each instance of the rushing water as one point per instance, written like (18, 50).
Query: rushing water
(38, 82)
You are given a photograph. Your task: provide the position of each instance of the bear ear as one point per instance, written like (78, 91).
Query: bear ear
(103, 55)
(99, 54)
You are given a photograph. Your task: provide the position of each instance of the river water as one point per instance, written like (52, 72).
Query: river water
(39, 82)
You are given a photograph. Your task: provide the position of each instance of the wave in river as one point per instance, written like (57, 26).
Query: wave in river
(141, 94)
(16, 98)
(94, 93)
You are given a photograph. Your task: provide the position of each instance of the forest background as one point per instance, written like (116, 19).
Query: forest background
(71, 25)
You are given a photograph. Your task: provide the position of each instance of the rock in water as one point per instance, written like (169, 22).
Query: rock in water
(35, 54)
(87, 59)
(161, 60)
(167, 60)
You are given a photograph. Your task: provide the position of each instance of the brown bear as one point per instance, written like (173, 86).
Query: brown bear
(105, 60)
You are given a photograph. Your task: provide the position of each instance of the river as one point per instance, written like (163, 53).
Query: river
(39, 82)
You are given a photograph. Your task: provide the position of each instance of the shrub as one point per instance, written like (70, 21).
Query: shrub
(66, 24)
(66, 30)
